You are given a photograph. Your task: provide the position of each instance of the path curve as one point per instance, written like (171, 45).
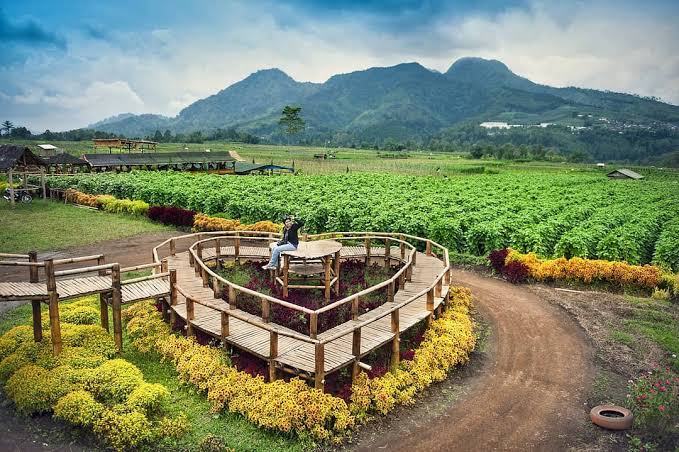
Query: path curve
(530, 392)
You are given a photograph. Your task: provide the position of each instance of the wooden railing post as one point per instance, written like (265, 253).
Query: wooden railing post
(232, 297)
(430, 305)
(356, 351)
(319, 374)
(367, 250)
(218, 254)
(337, 273)
(409, 272)
(173, 296)
(199, 256)
(190, 315)
(387, 253)
(354, 308)
(42, 183)
(273, 354)
(10, 182)
(446, 278)
(116, 306)
(286, 269)
(401, 281)
(216, 288)
(225, 327)
(390, 292)
(103, 312)
(428, 248)
(402, 246)
(173, 247)
(101, 261)
(55, 327)
(35, 304)
(313, 325)
(396, 341)
(438, 287)
(236, 247)
(326, 279)
(204, 276)
(266, 310)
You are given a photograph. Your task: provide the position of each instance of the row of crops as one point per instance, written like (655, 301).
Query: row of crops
(552, 214)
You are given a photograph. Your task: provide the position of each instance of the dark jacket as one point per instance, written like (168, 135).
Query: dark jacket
(290, 235)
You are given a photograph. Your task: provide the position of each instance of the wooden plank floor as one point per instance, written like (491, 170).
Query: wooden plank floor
(294, 353)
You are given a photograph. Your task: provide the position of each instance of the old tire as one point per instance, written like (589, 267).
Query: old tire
(612, 417)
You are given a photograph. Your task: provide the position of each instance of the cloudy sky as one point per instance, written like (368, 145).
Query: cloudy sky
(65, 64)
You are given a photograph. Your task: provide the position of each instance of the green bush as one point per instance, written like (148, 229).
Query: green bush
(123, 430)
(79, 408)
(35, 389)
(80, 315)
(113, 381)
(148, 398)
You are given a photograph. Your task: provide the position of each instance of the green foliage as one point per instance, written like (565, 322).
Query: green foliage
(123, 430)
(291, 120)
(80, 315)
(78, 407)
(35, 389)
(579, 214)
(114, 381)
(148, 398)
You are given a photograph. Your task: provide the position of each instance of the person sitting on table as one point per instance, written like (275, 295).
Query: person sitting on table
(289, 242)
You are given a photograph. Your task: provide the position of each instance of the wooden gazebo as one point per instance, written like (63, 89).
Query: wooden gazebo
(19, 159)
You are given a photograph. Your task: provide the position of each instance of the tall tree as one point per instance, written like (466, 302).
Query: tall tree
(8, 126)
(291, 120)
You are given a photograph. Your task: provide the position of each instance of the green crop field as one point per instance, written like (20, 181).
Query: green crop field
(567, 213)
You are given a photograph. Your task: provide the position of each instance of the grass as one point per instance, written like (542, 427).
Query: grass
(622, 337)
(48, 225)
(233, 429)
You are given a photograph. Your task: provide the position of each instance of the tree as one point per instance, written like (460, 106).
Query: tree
(158, 137)
(21, 132)
(8, 126)
(291, 120)
(477, 151)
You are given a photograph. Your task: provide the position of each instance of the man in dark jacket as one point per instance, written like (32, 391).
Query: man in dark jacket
(289, 242)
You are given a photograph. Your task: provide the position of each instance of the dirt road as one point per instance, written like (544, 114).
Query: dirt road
(528, 394)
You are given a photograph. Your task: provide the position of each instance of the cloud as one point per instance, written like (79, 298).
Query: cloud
(28, 31)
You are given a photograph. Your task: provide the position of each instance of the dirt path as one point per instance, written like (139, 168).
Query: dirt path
(529, 392)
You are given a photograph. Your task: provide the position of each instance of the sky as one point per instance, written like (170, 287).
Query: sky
(66, 64)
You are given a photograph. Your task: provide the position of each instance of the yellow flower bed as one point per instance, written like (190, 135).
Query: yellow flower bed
(447, 343)
(205, 223)
(294, 406)
(83, 385)
(107, 203)
(589, 270)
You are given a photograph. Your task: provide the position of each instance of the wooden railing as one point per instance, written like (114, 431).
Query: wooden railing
(408, 257)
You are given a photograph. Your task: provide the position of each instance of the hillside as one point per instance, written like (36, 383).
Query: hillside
(410, 102)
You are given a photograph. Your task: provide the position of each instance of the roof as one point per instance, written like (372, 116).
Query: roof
(157, 158)
(12, 156)
(47, 147)
(64, 159)
(627, 172)
(245, 168)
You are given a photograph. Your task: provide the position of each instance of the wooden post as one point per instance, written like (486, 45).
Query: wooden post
(430, 306)
(236, 247)
(35, 304)
(42, 183)
(428, 248)
(192, 262)
(390, 292)
(101, 261)
(116, 300)
(438, 287)
(286, 268)
(218, 254)
(225, 326)
(10, 181)
(199, 257)
(273, 353)
(415, 258)
(305, 237)
(216, 288)
(395, 342)
(190, 314)
(313, 325)
(409, 273)
(446, 278)
(326, 281)
(403, 247)
(173, 296)
(354, 308)
(173, 247)
(163, 267)
(319, 375)
(387, 252)
(232, 297)
(367, 250)
(103, 314)
(356, 351)
(337, 273)
(55, 327)
(401, 281)
(204, 276)
(266, 309)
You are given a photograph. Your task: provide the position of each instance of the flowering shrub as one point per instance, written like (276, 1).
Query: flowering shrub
(83, 199)
(175, 216)
(82, 385)
(586, 270)
(447, 343)
(497, 259)
(124, 206)
(202, 223)
(654, 399)
(515, 272)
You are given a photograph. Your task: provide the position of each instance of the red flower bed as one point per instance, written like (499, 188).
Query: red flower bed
(171, 215)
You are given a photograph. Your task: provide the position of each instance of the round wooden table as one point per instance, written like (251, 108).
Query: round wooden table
(319, 257)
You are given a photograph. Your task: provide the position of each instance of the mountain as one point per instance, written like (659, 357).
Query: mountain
(403, 102)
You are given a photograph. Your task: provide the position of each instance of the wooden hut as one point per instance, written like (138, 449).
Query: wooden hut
(65, 163)
(624, 173)
(19, 159)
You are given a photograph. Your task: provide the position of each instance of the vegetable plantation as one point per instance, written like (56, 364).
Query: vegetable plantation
(552, 214)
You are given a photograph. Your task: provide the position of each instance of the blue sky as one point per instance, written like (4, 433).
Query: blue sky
(65, 64)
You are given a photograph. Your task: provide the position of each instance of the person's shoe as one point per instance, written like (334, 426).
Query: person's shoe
(268, 267)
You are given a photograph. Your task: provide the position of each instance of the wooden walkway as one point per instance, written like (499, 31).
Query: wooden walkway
(295, 355)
